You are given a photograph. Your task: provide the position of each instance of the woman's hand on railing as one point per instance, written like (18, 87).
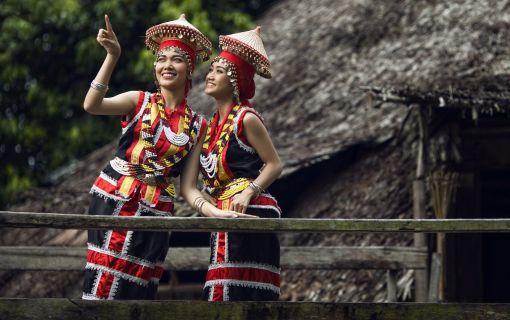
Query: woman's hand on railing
(218, 213)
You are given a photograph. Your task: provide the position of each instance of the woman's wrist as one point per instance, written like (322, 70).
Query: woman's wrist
(114, 57)
(198, 204)
(208, 209)
(255, 189)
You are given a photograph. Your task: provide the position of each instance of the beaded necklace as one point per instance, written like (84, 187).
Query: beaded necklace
(152, 170)
(215, 141)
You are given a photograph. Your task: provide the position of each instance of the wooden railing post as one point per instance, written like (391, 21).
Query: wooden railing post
(419, 201)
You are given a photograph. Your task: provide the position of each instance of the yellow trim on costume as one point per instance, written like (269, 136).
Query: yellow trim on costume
(237, 186)
(137, 150)
(154, 112)
(150, 192)
(170, 189)
(126, 186)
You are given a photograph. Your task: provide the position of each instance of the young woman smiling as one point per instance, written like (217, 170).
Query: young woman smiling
(238, 162)
(159, 130)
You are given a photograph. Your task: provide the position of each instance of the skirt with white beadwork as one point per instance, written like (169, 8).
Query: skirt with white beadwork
(123, 264)
(245, 266)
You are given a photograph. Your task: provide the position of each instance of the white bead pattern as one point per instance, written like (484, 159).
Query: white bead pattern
(209, 164)
(176, 139)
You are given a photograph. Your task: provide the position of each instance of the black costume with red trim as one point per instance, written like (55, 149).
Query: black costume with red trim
(128, 264)
(243, 266)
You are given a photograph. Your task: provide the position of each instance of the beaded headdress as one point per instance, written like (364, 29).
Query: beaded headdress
(244, 55)
(181, 35)
(248, 45)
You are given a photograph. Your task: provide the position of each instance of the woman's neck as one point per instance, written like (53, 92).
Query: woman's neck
(223, 106)
(172, 98)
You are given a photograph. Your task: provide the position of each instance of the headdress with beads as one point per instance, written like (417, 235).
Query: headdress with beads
(181, 35)
(244, 55)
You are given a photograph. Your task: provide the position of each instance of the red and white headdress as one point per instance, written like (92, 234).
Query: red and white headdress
(244, 55)
(182, 35)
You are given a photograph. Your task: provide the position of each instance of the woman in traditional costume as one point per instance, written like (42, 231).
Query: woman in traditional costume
(238, 162)
(158, 132)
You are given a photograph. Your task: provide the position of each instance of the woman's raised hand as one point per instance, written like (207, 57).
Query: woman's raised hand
(108, 40)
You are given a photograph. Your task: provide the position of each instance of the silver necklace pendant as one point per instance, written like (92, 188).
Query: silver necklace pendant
(209, 164)
(176, 139)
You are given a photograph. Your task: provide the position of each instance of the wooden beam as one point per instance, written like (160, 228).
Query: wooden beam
(78, 221)
(325, 258)
(40, 309)
(420, 199)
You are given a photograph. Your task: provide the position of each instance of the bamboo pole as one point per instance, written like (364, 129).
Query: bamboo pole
(443, 186)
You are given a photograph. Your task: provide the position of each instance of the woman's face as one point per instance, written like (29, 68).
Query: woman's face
(217, 83)
(171, 69)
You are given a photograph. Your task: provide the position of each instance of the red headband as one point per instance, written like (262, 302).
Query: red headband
(245, 74)
(181, 45)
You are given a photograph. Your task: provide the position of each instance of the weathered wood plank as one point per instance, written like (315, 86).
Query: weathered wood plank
(27, 309)
(391, 286)
(78, 221)
(329, 258)
(435, 272)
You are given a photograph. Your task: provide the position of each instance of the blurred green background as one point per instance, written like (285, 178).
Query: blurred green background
(49, 55)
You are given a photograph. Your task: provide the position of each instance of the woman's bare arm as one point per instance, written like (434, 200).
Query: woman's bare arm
(259, 139)
(95, 101)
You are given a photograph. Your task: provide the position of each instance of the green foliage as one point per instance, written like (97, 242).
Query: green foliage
(49, 55)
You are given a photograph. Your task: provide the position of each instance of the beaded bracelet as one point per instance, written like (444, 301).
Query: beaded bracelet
(98, 86)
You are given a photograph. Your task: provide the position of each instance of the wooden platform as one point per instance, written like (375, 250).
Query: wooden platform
(197, 310)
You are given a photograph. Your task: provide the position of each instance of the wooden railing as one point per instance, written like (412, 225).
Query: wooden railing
(83, 222)
(389, 258)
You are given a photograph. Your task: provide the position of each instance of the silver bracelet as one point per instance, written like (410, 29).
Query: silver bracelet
(198, 203)
(98, 86)
(258, 189)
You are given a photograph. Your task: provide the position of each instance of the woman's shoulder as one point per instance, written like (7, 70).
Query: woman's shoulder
(247, 115)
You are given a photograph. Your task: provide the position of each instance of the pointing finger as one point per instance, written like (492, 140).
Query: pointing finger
(108, 23)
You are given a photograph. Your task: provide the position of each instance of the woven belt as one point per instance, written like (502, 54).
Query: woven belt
(228, 190)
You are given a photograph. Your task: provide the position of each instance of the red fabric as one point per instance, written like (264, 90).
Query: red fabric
(240, 127)
(203, 129)
(158, 272)
(244, 274)
(118, 237)
(264, 201)
(216, 128)
(105, 285)
(245, 74)
(138, 127)
(127, 118)
(217, 293)
(181, 45)
(122, 265)
(220, 252)
(105, 185)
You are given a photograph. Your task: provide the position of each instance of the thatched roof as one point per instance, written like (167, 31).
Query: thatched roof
(341, 157)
